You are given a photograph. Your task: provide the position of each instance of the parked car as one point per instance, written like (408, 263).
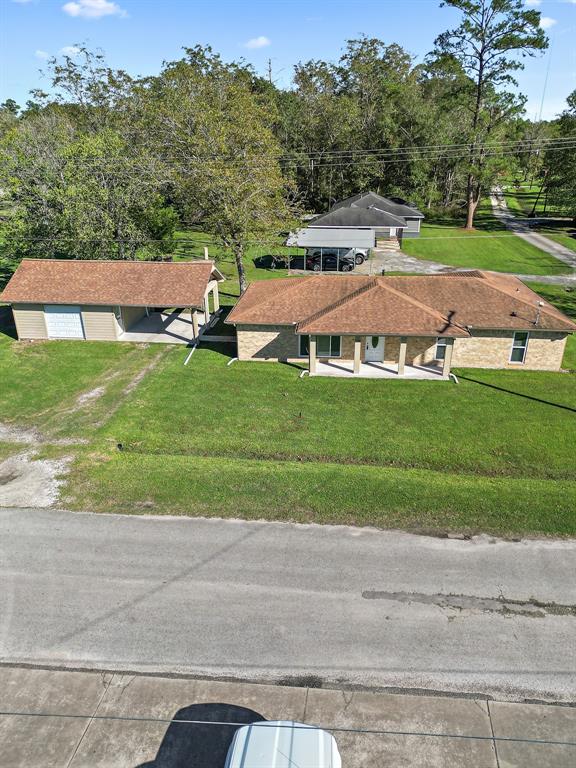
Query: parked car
(282, 744)
(329, 261)
(359, 255)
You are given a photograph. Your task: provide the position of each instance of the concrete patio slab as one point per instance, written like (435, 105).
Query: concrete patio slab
(162, 328)
(345, 369)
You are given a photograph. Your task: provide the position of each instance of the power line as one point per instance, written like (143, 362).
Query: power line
(339, 158)
(533, 145)
(295, 726)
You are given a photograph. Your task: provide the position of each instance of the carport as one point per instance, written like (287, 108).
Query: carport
(137, 301)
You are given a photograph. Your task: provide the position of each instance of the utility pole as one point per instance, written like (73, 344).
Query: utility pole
(270, 71)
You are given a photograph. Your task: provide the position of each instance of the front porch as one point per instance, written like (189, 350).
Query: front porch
(380, 357)
(345, 369)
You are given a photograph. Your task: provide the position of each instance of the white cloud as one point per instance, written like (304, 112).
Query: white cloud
(546, 22)
(69, 50)
(93, 9)
(41, 54)
(258, 42)
(533, 2)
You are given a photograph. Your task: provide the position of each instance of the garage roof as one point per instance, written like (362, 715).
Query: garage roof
(124, 283)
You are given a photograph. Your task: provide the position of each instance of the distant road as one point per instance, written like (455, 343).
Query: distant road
(267, 601)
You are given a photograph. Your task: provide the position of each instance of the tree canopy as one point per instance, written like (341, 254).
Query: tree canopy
(108, 166)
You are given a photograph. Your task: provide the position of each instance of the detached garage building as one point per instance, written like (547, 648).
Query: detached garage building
(113, 300)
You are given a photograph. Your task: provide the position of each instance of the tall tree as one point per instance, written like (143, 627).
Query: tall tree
(486, 45)
(217, 139)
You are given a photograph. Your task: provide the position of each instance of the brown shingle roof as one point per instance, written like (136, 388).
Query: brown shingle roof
(428, 305)
(125, 283)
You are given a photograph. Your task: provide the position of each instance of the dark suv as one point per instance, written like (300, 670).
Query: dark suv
(329, 261)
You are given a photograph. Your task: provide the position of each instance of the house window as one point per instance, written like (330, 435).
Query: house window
(519, 347)
(326, 346)
(441, 344)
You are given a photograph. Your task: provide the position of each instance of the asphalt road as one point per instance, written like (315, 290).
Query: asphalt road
(266, 601)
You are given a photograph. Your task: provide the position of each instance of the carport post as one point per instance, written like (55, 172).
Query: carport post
(402, 355)
(216, 297)
(312, 354)
(357, 353)
(447, 358)
(195, 328)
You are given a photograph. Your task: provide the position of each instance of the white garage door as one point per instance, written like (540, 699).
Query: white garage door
(63, 322)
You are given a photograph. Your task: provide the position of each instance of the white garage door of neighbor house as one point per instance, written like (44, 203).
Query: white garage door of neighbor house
(63, 322)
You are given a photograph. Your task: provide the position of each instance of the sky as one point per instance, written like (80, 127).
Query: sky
(137, 35)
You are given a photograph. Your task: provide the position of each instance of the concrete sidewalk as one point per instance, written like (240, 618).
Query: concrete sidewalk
(150, 741)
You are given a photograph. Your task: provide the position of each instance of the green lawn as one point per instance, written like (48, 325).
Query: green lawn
(521, 198)
(488, 246)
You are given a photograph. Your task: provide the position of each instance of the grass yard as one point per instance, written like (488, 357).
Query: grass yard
(521, 198)
(489, 246)
(493, 453)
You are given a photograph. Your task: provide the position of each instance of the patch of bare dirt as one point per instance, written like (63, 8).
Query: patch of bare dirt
(88, 397)
(25, 482)
(10, 433)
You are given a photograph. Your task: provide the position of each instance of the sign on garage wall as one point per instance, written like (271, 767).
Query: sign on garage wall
(63, 322)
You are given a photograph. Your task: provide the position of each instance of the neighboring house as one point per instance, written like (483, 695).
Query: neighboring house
(413, 326)
(359, 222)
(392, 206)
(112, 300)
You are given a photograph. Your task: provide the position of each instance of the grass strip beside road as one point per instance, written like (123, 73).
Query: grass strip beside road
(412, 499)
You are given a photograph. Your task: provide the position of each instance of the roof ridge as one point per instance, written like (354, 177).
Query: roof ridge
(298, 282)
(117, 261)
(371, 283)
(393, 215)
(555, 311)
(430, 310)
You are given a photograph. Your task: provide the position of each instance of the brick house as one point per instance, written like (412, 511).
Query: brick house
(408, 326)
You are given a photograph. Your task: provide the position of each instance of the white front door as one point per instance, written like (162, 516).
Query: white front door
(374, 350)
(63, 322)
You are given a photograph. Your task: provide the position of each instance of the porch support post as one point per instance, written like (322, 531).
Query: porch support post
(195, 328)
(312, 355)
(357, 353)
(447, 359)
(216, 297)
(402, 355)
(207, 308)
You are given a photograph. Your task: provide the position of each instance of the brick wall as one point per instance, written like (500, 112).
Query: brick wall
(485, 349)
(491, 349)
(266, 342)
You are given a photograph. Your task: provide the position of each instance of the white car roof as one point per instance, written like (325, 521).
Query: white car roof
(282, 744)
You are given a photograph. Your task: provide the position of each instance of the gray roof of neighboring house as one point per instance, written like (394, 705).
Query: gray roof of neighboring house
(357, 217)
(396, 206)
